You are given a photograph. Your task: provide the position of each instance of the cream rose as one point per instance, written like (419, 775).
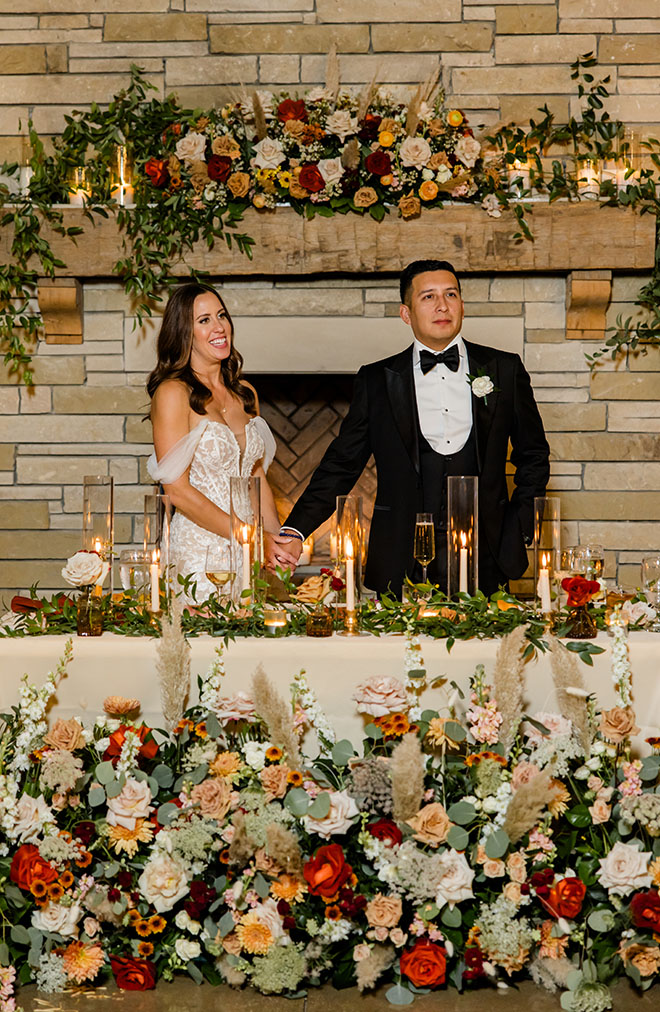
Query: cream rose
(380, 696)
(618, 724)
(640, 612)
(269, 154)
(384, 911)
(240, 706)
(600, 811)
(31, 814)
(513, 893)
(482, 386)
(57, 918)
(338, 820)
(467, 150)
(456, 882)
(415, 152)
(84, 569)
(65, 734)
(187, 948)
(131, 804)
(516, 866)
(274, 780)
(624, 869)
(191, 148)
(493, 868)
(213, 797)
(522, 774)
(331, 169)
(163, 882)
(341, 123)
(431, 824)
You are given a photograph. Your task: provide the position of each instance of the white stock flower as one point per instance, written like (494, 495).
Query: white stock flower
(163, 882)
(341, 123)
(338, 820)
(624, 869)
(84, 569)
(131, 804)
(57, 918)
(456, 882)
(255, 754)
(482, 386)
(467, 150)
(191, 148)
(187, 948)
(31, 815)
(415, 152)
(331, 169)
(269, 153)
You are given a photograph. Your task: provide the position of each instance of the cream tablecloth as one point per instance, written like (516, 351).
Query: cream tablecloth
(334, 666)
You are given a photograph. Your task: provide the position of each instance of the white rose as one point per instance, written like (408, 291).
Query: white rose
(129, 806)
(456, 882)
(338, 820)
(191, 148)
(415, 152)
(318, 95)
(639, 610)
(255, 754)
(468, 150)
(482, 386)
(187, 948)
(341, 123)
(381, 695)
(163, 882)
(624, 869)
(58, 918)
(240, 706)
(85, 568)
(31, 814)
(555, 724)
(331, 169)
(269, 154)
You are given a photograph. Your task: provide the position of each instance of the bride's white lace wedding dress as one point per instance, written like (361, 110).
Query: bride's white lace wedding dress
(213, 453)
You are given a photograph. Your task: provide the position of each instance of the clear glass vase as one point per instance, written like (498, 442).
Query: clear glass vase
(89, 613)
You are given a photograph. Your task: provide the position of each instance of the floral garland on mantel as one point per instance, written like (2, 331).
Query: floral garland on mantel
(469, 845)
(331, 152)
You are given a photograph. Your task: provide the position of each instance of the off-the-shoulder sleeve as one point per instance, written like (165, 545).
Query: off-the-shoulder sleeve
(269, 440)
(176, 460)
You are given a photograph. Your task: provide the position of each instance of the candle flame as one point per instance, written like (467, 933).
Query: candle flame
(463, 537)
(155, 555)
(97, 545)
(348, 547)
(245, 534)
(544, 561)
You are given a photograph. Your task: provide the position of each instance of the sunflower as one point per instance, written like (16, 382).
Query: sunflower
(82, 962)
(200, 730)
(183, 725)
(38, 888)
(66, 879)
(333, 913)
(157, 924)
(295, 778)
(55, 892)
(255, 937)
(134, 915)
(288, 887)
(273, 754)
(84, 860)
(142, 927)
(223, 856)
(145, 949)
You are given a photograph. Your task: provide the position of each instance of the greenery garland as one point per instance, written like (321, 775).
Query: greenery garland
(375, 154)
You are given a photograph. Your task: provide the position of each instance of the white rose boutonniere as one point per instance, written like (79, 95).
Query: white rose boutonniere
(481, 385)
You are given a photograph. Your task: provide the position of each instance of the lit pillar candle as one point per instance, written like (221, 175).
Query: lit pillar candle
(154, 572)
(97, 546)
(245, 545)
(350, 575)
(333, 545)
(543, 586)
(463, 565)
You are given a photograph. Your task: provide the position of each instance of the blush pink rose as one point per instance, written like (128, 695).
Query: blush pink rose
(380, 696)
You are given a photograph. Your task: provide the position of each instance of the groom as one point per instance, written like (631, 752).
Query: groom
(423, 416)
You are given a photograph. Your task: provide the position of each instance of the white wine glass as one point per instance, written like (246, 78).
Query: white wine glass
(219, 571)
(651, 584)
(589, 561)
(424, 547)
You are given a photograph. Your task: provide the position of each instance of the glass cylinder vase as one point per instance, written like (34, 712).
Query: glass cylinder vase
(349, 529)
(246, 533)
(98, 523)
(547, 551)
(462, 534)
(156, 546)
(89, 612)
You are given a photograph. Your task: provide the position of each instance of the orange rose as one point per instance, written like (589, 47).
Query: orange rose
(431, 824)
(327, 871)
(409, 206)
(213, 797)
(65, 734)
(27, 865)
(618, 724)
(365, 196)
(425, 964)
(428, 190)
(239, 184)
(565, 898)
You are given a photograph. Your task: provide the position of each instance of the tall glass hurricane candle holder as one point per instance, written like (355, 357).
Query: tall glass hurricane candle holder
(246, 537)
(350, 540)
(157, 519)
(651, 585)
(462, 534)
(547, 551)
(98, 525)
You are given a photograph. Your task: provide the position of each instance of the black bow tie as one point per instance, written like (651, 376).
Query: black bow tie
(429, 359)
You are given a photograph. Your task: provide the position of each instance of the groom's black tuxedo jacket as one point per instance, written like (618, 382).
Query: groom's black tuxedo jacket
(383, 420)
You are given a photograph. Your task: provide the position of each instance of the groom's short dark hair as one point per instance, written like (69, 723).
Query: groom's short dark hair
(421, 267)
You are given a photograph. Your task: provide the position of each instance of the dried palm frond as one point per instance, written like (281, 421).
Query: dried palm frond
(276, 713)
(508, 683)
(573, 705)
(261, 129)
(332, 73)
(527, 805)
(407, 773)
(173, 666)
(422, 94)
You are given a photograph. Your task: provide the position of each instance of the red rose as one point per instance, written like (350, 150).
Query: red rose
(379, 163)
(289, 109)
(645, 910)
(156, 169)
(385, 829)
(147, 750)
(425, 964)
(565, 898)
(133, 974)
(579, 590)
(327, 871)
(27, 865)
(219, 168)
(311, 178)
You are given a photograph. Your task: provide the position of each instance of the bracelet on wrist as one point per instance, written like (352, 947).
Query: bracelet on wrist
(286, 533)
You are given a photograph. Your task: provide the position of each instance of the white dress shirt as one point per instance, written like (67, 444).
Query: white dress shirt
(444, 400)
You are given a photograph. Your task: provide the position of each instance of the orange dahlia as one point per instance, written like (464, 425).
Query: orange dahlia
(82, 962)
(255, 937)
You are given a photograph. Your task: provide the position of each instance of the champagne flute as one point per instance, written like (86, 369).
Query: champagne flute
(424, 549)
(651, 584)
(218, 569)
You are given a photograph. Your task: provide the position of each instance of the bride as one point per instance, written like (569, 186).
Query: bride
(206, 429)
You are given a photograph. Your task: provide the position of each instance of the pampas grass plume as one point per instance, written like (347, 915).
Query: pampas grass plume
(173, 665)
(566, 675)
(367, 971)
(276, 713)
(283, 847)
(527, 805)
(508, 683)
(407, 773)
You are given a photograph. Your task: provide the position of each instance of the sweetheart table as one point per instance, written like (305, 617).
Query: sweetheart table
(335, 666)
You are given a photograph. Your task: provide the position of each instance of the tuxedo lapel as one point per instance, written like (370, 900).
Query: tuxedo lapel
(400, 386)
(481, 362)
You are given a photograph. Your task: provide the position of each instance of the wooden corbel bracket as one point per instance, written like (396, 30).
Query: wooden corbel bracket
(589, 294)
(61, 307)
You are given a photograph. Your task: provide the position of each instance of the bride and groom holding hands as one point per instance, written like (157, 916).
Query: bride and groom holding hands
(442, 406)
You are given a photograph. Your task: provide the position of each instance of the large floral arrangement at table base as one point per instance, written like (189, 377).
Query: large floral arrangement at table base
(459, 849)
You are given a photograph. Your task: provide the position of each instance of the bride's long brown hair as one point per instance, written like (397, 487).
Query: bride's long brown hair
(175, 346)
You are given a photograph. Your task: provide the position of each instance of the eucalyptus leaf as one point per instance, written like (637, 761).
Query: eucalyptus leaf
(342, 752)
(497, 844)
(451, 917)
(20, 935)
(261, 886)
(166, 813)
(457, 838)
(462, 812)
(297, 801)
(194, 972)
(373, 731)
(113, 789)
(213, 725)
(399, 995)
(455, 731)
(96, 796)
(163, 775)
(105, 773)
(226, 924)
(320, 806)
(4, 954)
